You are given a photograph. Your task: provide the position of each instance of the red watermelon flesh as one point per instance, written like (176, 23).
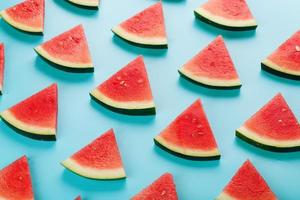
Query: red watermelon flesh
(286, 58)
(212, 66)
(247, 184)
(100, 159)
(36, 114)
(190, 134)
(27, 15)
(146, 27)
(78, 198)
(69, 49)
(15, 181)
(162, 189)
(2, 61)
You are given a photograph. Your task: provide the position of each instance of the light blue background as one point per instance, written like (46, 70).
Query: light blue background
(81, 120)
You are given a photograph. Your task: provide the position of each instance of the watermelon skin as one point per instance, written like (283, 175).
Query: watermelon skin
(247, 184)
(99, 160)
(231, 15)
(139, 30)
(161, 189)
(15, 181)
(2, 62)
(36, 116)
(212, 67)
(274, 127)
(69, 51)
(190, 135)
(128, 91)
(26, 16)
(284, 61)
(93, 4)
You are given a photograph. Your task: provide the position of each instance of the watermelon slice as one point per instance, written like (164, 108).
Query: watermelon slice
(2, 61)
(162, 189)
(35, 116)
(247, 184)
(285, 61)
(86, 3)
(78, 198)
(190, 135)
(100, 159)
(227, 14)
(127, 91)
(274, 127)
(15, 181)
(68, 50)
(212, 67)
(146, 28)
(27, 16)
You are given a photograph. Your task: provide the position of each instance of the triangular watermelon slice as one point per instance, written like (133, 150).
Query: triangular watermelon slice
(78, 198)
(100, 159)
(146, 28)
(128, 91)
(2, 61)
(190, 135)
(69, 50)
(87, 3)
(35, 116)
(27, 16)
(274, 127)
(227, 14)
(15, 181)
(285, 60)
(212, 67)
(247, 184)
(161, 189)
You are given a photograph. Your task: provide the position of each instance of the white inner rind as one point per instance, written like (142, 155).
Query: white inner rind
(279, 68)
(132, 105)
(211, 81)
(139, 39)
(186, 151)
(92, 172)
(224, 196)
(268, 141)
(85, 3)
(223, 21)
(40, 50)
(10, 118)
(18, 25)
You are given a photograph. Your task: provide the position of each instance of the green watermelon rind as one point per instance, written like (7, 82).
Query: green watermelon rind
(266, 143)
(224, 196)
(137, 108)
(211, 83)
(38, 133)
(159, 43)
(84, 4)
(64, 65)
(190, 155)
(271, 67)
(227, 24)
(96, 174)
(20, 26)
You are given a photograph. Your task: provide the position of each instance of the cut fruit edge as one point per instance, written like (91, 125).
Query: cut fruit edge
(187, 152)
(210, 81)
(40, 50)
(92, 173)
(223, 21)
(268, 63)
(137, 105)
(269, 142)
(154, 41)
(85, 3)
(12, 120)
(18, 25)
(224, 196)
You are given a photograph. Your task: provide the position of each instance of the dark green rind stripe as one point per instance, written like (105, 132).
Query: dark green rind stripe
(84, 6)
(279, 73)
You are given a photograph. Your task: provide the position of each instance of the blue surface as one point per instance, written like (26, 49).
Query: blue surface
(81, 120)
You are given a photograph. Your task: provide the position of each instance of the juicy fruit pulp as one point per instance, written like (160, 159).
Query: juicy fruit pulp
(2, 61)
(212, 67)
(190, 135)
(147, 28)
(247, 184)
(273, 127)
(100, 159)
(27, 15)
(127, 91)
